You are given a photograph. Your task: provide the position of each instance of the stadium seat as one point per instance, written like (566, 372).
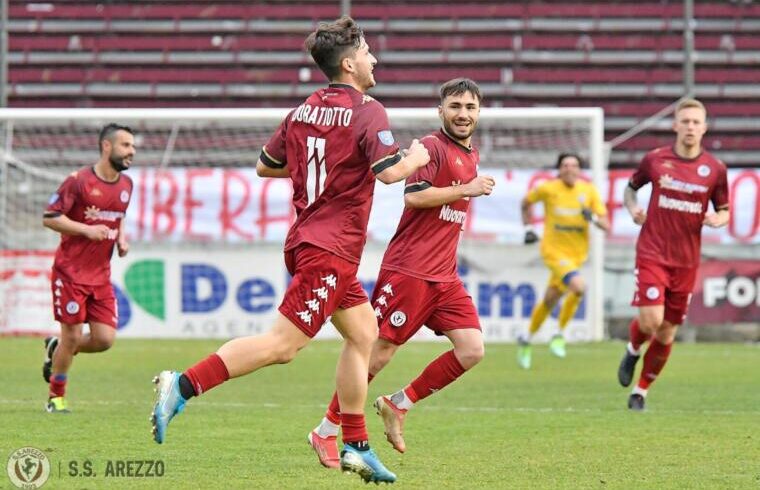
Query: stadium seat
(624, 56)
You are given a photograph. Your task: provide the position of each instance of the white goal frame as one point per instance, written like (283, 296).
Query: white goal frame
(398, 117)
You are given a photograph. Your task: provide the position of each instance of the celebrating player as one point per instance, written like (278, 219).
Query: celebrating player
(88, 211)
(684, 178)
(418, 282)
(569, 205)
(332, 146)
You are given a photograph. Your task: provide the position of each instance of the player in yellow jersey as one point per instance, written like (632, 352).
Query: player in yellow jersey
(570, 204)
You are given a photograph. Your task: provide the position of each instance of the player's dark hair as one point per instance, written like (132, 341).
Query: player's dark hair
(562, 156)
(459, 86)
(108, 131)
(333, 41)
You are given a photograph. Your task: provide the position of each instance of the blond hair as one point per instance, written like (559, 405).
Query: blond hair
(689, 104)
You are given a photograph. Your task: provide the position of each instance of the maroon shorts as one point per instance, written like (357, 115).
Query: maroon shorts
(322, 282)
(80, 303)
(658, 284)
(403, 304)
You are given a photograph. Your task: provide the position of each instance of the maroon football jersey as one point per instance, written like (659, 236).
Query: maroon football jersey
(425, 243)
(333, 145)
(85, 198)
(681, 189)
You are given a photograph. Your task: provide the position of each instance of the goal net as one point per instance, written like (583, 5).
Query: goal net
(206, 233)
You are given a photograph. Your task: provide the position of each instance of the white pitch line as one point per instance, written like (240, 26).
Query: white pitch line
(558, 410)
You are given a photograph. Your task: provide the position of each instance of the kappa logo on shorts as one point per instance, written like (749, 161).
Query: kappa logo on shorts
(398, 318)
(72, 308)
(653, 293)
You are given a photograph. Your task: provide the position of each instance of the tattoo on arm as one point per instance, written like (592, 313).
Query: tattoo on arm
(629, 198)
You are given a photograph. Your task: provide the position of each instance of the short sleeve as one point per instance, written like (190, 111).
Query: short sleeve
(376, 139)
(597, 206)
(642, 175)
(719, 196)
(64, 198)
(273, 153)
(538, 193)
(424, 177)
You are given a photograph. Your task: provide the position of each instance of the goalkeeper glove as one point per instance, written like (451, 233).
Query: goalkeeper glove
(530, 235)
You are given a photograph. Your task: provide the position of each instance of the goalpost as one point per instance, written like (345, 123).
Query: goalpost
(206, 233)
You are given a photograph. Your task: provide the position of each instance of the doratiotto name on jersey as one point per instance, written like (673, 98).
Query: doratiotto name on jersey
(452, 215)
(679, 205)
(323, 116)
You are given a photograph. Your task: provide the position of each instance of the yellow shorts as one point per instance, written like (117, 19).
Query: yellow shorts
(560, 267)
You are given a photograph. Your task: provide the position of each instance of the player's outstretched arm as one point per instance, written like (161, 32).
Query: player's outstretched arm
(432, 197)
(263, 170)
(62, 224)
(718, 219)
(415, 157)
(631, 204)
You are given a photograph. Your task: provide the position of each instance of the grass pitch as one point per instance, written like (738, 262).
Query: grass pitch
(564, 424)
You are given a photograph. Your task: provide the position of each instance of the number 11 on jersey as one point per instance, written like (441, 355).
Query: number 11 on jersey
(316, 170)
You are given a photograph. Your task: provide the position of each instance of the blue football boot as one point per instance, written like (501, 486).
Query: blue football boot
(366, 464)
(169, 402)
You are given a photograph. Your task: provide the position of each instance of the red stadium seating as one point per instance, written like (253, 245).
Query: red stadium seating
(622, 55)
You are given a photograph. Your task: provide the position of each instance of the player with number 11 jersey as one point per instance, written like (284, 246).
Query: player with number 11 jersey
(328, 142)
(332, 147)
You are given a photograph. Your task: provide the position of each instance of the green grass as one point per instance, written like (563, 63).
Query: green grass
(561, 425)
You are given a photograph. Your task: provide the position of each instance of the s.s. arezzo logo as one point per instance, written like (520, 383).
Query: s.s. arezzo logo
(28, 467)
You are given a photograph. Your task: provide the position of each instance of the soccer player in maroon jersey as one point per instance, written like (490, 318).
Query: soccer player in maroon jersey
(88, 211)
(684, 179)
(333, 147)
(418, 281)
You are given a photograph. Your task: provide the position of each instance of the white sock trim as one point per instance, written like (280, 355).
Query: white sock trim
(327, 428)
(639, 391)
(401, 400)
(633, 351)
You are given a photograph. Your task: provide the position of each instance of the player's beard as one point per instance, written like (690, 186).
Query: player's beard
(117, 163)
(367, 81)
(449, 127)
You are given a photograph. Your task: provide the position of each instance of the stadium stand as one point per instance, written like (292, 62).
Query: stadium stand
(624, 56)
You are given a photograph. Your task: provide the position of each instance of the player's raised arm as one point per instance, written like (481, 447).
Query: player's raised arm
(264, 170)
(422, 195)
(415, 156)
(271, 162)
